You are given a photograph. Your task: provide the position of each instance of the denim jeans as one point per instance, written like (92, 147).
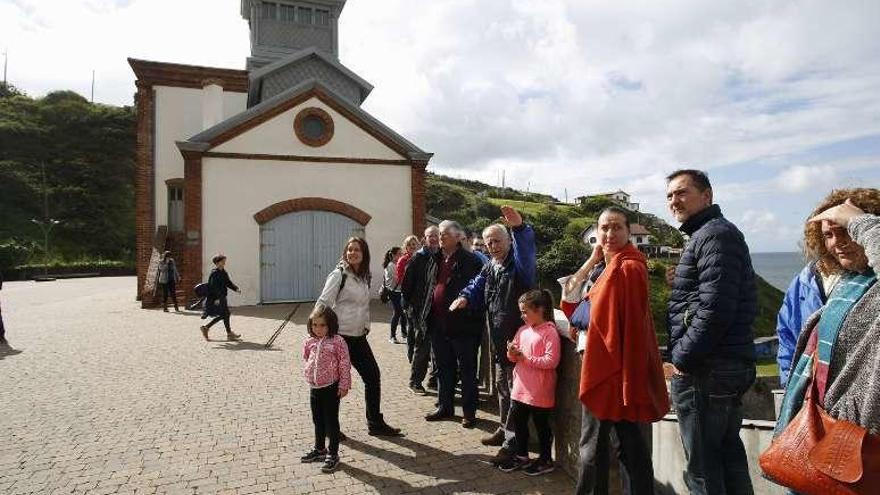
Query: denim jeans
(397, 317)
(709, 408)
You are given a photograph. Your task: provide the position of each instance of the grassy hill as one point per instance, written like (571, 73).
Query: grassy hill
(557, 230)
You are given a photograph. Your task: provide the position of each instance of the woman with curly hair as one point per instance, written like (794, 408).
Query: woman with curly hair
(838, 352)
(809, 289)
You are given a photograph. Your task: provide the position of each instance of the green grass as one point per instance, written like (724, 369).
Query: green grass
(768, 367)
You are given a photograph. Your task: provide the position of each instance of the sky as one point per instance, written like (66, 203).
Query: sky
(778, 101)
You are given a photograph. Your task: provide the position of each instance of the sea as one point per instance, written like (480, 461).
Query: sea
(778, 269)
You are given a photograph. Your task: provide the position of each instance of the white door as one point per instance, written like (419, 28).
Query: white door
(298, 250)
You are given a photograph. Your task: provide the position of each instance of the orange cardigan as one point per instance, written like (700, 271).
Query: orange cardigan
(622, 374)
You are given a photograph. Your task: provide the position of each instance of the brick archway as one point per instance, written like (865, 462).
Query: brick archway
(311, 204)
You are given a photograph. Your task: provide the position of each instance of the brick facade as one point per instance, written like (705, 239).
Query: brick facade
(419, 208)
(145, 226)
(191, 266)
(312, 204)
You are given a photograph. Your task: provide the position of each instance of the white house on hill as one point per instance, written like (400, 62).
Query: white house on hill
(638, 235)
(274, 166)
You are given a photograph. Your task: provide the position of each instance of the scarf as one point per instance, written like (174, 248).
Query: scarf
(820, 345)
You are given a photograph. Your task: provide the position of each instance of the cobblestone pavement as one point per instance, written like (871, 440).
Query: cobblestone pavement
(99, 396)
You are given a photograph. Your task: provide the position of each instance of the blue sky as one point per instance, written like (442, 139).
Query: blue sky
(777, 101)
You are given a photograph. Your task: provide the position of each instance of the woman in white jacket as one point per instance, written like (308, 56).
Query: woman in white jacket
(347, 292)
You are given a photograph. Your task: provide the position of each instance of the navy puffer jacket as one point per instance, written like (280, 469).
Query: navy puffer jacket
(714, 298)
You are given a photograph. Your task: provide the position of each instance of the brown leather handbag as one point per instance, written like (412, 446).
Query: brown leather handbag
(819, 455)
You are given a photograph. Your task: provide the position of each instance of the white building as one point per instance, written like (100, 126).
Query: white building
(275, 166)
(638, 235)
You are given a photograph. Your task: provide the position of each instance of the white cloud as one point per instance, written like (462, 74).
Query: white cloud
(583, 95)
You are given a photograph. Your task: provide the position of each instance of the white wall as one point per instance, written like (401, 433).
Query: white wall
(276, 137)
(234, 190)
(179, 117)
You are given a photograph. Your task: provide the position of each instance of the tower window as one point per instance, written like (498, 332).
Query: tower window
(322, 17)
(267, 10)
(286, 13)
(304, 15)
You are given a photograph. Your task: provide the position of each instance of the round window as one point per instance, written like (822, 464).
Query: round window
(313, 126)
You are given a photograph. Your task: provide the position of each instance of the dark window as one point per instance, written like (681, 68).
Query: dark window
(313, 127)
(304, 15)
(268, 10)
(592, 240)
(322, 17)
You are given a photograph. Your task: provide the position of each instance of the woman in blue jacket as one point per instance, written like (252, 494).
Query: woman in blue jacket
(805, 295)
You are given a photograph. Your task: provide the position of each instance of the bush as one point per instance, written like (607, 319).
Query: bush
(14, 253)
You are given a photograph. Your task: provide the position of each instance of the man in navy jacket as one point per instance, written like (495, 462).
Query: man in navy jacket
(711, 310)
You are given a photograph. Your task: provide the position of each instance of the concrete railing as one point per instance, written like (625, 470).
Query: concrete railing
(664, 440)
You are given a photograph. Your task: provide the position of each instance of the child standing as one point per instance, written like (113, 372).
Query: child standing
(328, 373)
(536, 350)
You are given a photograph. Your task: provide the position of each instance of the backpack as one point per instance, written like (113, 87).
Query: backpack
(201, 290)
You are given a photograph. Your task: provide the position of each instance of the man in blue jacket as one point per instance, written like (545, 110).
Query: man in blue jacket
(804, 297)
(510, 273)
(711, 310)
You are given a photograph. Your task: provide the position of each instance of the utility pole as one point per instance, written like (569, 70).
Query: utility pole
(47, 223)
(5, 64)
(93, 85)
(566, 195)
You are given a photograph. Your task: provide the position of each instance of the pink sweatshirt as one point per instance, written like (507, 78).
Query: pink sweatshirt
(534, 376)
(326, 361)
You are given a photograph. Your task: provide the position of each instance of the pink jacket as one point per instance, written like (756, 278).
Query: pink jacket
(326, 361)
(534, 376)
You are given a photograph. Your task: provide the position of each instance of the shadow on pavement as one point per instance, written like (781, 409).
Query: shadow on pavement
(244, 346)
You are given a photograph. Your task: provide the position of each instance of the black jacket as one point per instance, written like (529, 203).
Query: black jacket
(218, 287)
(462, 322)
(713, 303)
(418, 284)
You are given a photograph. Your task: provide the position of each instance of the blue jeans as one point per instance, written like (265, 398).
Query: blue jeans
(397, 317)
(709, 408)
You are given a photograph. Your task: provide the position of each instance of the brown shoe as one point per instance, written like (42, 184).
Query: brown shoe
(496, 439)
(230, 335)
(468, 422)
(502, 457)
(204, 330)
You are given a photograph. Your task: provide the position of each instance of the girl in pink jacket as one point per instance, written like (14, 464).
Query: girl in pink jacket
(536, 350)
(328, 373)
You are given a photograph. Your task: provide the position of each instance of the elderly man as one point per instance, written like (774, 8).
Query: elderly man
(455, 336)
(711, 309)
(418, 288)
(510, 273)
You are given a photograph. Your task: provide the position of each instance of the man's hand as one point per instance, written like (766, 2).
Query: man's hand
(840, 214)
(511, 217)
(669, 370)
(459, 303)
(342, 393)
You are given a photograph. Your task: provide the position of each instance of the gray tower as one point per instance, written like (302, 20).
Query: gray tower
(284, 27)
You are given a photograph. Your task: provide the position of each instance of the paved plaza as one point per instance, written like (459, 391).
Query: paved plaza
(99, 397)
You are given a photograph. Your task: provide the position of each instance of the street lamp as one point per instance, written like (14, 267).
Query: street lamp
(46, 227)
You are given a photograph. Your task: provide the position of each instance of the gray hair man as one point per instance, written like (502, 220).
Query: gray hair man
(496, 290)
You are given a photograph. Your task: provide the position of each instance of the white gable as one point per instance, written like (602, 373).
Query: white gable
(276, 137)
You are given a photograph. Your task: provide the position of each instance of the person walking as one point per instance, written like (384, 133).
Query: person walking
(216, 305)
(391, 286)
(510, 273)
(327, 370)
(455, 336)
(711, 309)
(3, 341)
(419, 278)
(347, 292)
(621, 384)
(168, 277)
(535, 351)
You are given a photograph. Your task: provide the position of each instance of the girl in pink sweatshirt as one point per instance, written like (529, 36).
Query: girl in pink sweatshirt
(536, 350)
(328, 373)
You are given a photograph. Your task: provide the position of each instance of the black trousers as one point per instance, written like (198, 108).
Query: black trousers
(638, 470)
(457, 357)
(169, 289)
(520, 413)
(364, 362)
(325, 416)
(224, 314)
(2, 328)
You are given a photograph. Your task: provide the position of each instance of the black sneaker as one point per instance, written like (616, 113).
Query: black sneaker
(384, 430)
(432, 383)
(331, 462)
(539, 467)
(418, 389)
(313, 455)
(502, 456)
(514, 463)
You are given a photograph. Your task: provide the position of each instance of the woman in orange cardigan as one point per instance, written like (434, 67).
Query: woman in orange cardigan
(621, 382)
